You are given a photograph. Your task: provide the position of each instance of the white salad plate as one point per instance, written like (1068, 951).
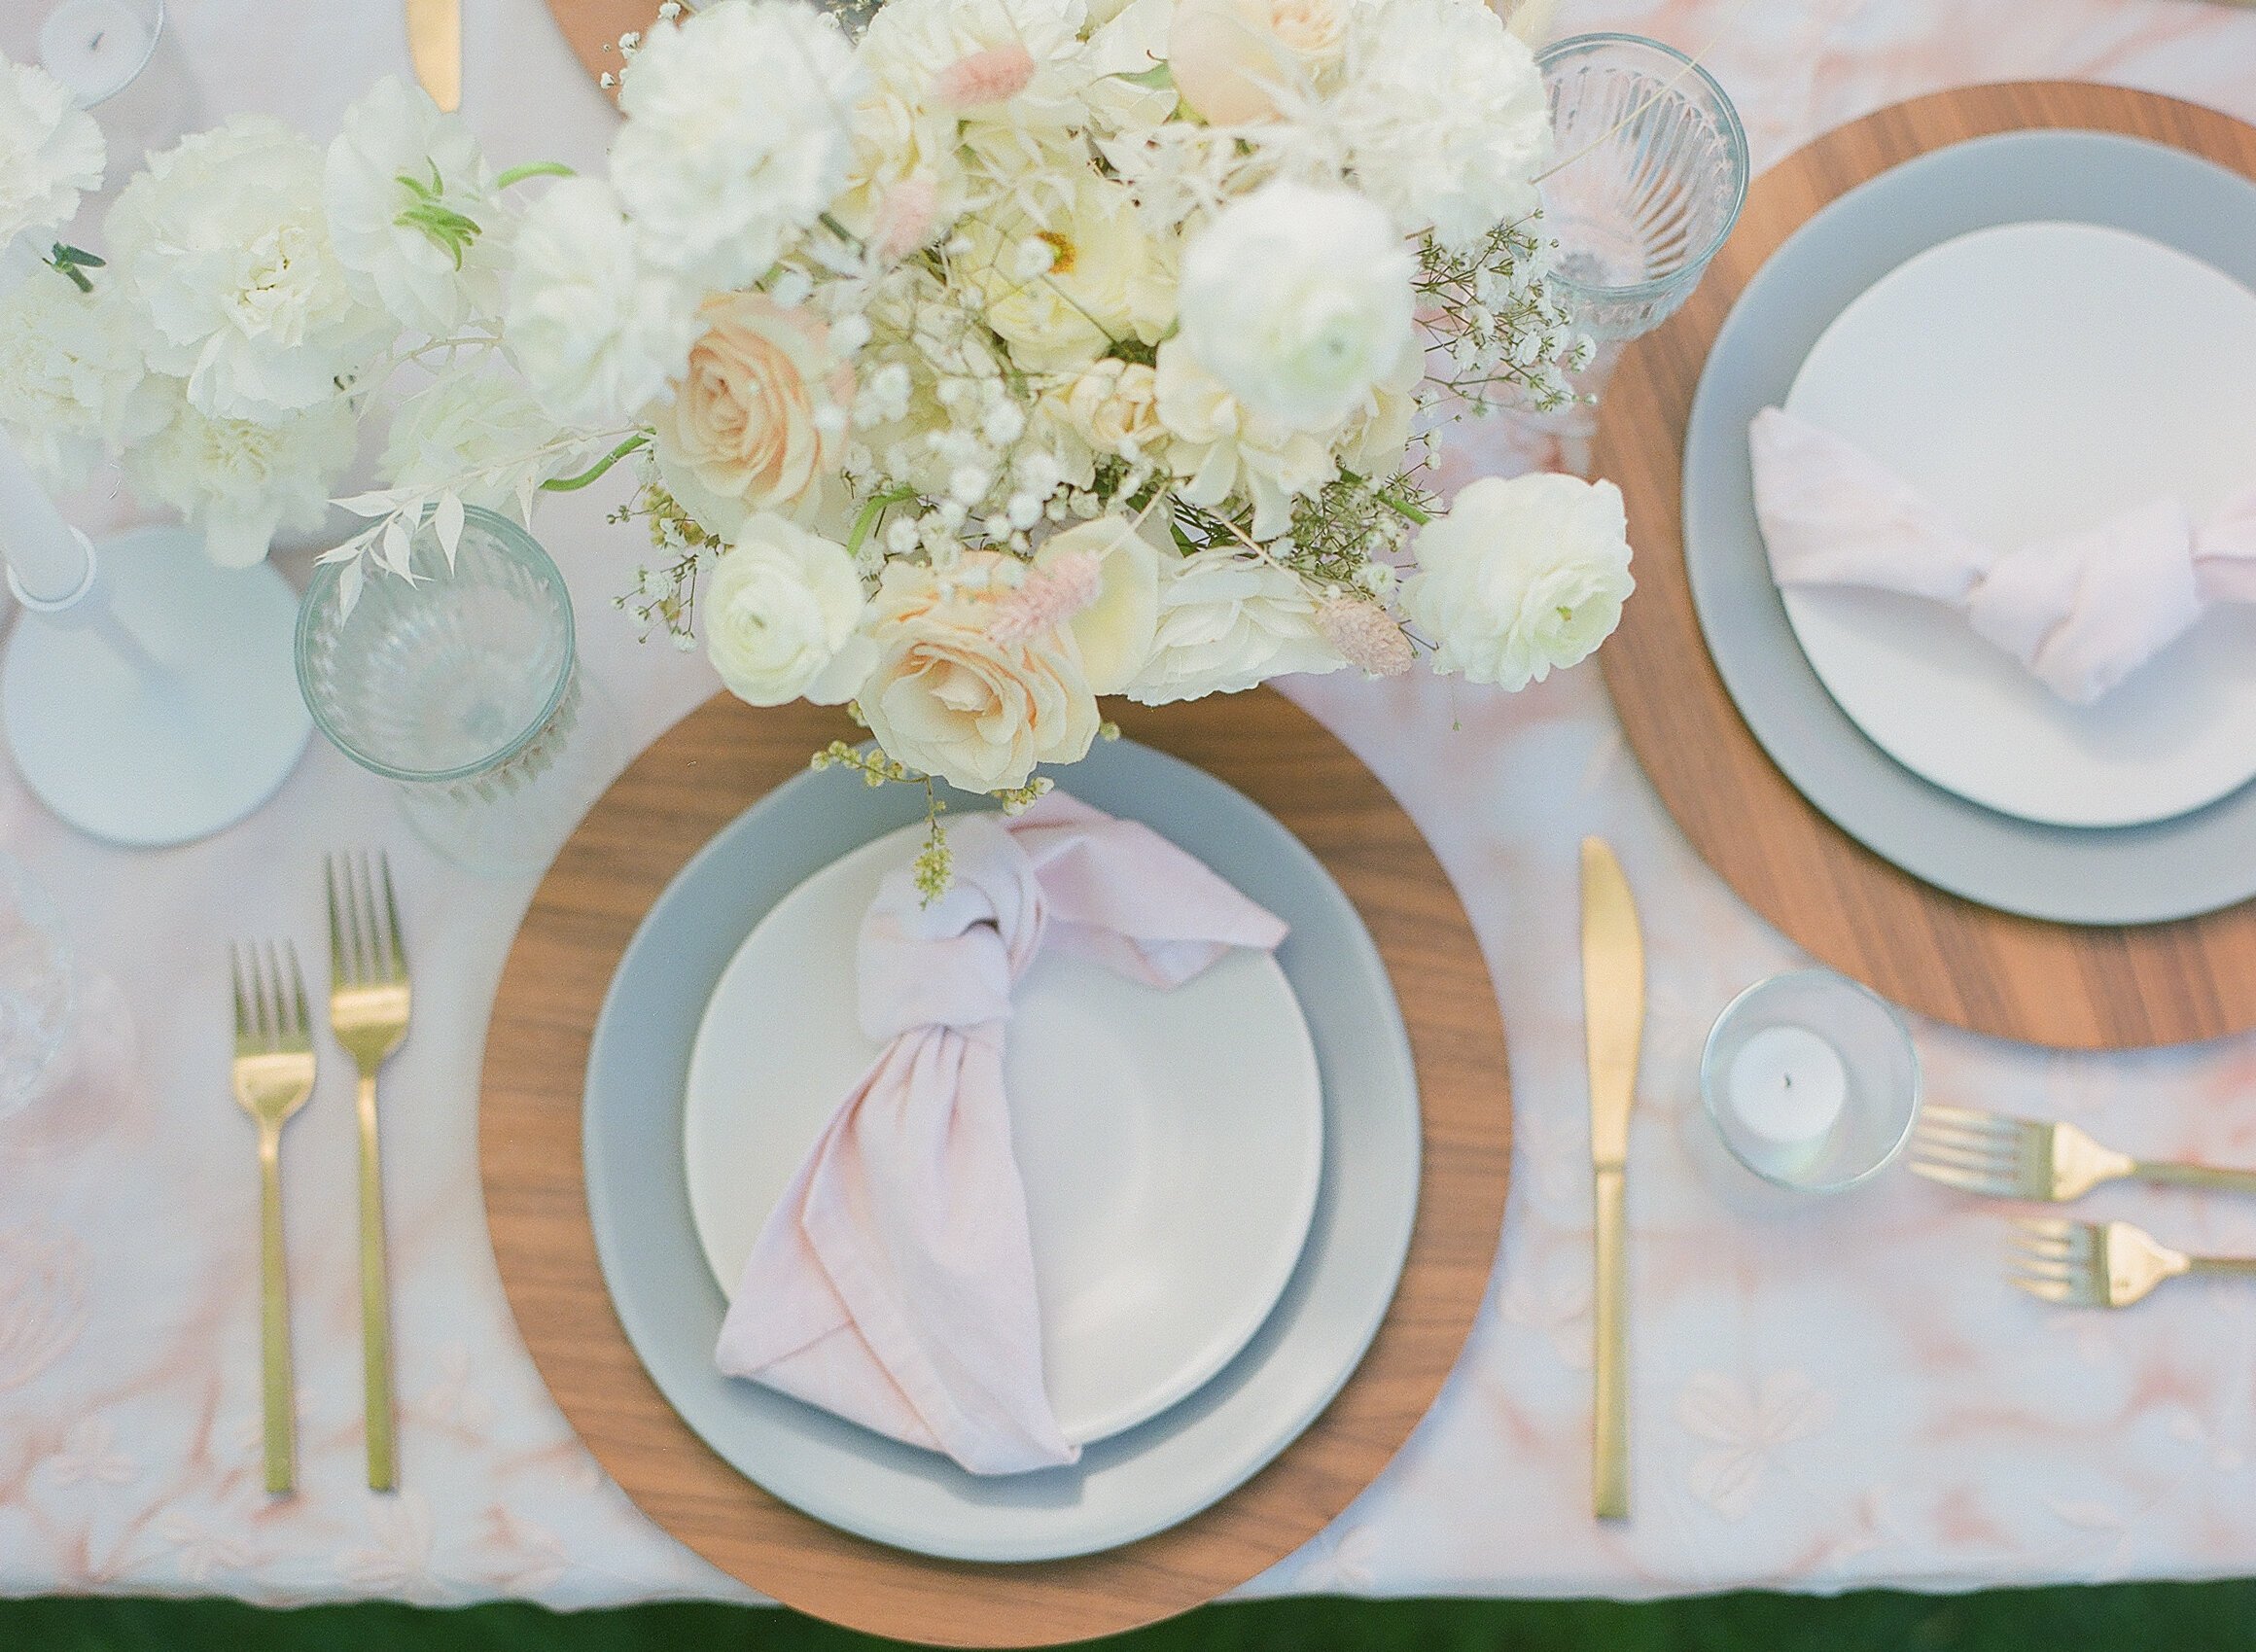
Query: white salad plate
(2034, 379)
(1170, 1142)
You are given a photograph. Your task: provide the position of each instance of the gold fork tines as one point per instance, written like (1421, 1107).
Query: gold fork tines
(2019, 1158)
(2101, 1265)
(368, 1012)
(273, 1075)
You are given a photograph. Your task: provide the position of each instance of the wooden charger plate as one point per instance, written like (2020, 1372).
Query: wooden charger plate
(2067, 986)
(711, 766)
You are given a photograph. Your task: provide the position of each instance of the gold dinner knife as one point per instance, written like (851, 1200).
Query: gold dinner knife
(435, 42)
(1613, 1010)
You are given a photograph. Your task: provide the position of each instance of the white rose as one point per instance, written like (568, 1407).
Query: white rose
(1521, 577)
(781, 611)
(51, 152)
(1066, 281)
(68, 375)
(1226, 623)
(1222, 450)
(949, 698)
(1444, 116)
(1298, 300)
(475, 432)
(1236, 61)
(596, 330)
(226, 255)
(243, 481)
(737, 135)
(1113, 407)
(1115, 633)
(411, 209)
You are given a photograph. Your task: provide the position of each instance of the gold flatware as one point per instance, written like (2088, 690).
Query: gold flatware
(1613, 1009)
(434, 44)
(273, 1075)
(368, 1012)
(2102, 1265)
(2020, 1158)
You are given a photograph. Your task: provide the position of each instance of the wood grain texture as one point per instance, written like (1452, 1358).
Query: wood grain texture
(592, 27)
(675, 798)
(2062, 985)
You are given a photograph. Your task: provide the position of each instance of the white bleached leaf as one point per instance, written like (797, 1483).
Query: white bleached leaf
(447, 519)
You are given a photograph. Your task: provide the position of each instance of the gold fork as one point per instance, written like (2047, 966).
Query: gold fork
(273, 1075)
(2110, 1265)
(368, 1012)
(2019, 1158)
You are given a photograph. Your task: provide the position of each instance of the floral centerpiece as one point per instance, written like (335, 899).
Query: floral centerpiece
(1017, 354)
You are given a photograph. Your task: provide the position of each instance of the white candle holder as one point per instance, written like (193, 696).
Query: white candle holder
(1811, 1082)
(157, 703)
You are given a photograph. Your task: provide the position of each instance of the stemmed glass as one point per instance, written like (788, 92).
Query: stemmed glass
(462, 687)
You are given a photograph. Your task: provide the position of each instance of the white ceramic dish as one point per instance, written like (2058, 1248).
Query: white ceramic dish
(2035, 379)
(1170, 1142)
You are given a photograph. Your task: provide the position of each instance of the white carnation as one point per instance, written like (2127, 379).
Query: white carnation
(1521, 577)
(68, 373)
(782, 612)
(1298, 300)
(412, 210)
(1226, 623)
(596, 330)
(476, 434)
(738, 135)
(51, 152)
(225, 256)
(1444, 116)
(240, 482)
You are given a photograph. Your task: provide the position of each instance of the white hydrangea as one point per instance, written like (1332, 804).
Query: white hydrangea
(51, 152)
(68, 373)
(412, 210)
(1522, 576)
(480, 435)
(1443, 115)
(596, 330)
(1228, 620)
(225, 256)
(243, 481)
(738, 135)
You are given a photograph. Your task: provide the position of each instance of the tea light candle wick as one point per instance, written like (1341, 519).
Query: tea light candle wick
(1788, 1086)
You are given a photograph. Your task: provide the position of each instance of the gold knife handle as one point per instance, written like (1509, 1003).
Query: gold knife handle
(2196, 1176)
(274, 1318)
(1610, 1461)
(375, 1298)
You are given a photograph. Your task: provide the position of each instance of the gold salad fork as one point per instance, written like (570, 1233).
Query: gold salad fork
(368, 1012)
(2110, 1265)
(2018, 1158)
(273, 1075)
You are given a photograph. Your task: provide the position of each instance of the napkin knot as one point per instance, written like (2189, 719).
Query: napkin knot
(893, 1281)
(2080, 611)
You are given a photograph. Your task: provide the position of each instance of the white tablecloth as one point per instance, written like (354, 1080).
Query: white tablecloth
(1841, 1397)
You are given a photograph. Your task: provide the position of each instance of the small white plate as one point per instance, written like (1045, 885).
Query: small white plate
(1171, 1143)
(2035, 378)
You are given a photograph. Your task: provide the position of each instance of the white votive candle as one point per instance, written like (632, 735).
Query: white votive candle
(95, 46)
(47, 558)
(1788, 1086)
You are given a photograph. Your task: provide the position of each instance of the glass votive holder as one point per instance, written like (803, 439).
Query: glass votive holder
(1811, 1082)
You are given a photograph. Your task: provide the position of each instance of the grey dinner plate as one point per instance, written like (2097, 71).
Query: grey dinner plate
(1123, 1487)
(2177, 868)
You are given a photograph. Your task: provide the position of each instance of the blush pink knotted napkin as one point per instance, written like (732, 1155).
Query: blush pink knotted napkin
(893, 1281)
(2082, 611)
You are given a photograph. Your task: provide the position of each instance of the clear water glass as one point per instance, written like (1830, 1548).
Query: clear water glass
(38, 990)
(462, 687)
(1648, 176)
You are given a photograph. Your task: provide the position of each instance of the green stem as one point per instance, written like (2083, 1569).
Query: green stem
(596, 471)
(1401, 508)
(866, 519)
(534, 169)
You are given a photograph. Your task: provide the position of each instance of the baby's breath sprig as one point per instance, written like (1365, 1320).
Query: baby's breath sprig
(1346, 537)
(1502, 336)
(1020, 798)
(934, 869)
(666, 592)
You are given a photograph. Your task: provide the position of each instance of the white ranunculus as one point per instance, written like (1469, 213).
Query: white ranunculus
(1065, 282)
(68, 375)
(412, 210)
(51, 152)
(738, 135)
(1521, 577)
(225, 256)
(1299, 299)
(243, 481)
(1115, 633)
(1444, 116)
(596, 330)
(782, 611)
(476, 433)
(1220, 448)
(1226, 623)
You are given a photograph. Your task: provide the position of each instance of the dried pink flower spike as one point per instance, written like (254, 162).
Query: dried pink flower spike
(1367, 636)
(904, 222)
(1049, 598)
(996, 75)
